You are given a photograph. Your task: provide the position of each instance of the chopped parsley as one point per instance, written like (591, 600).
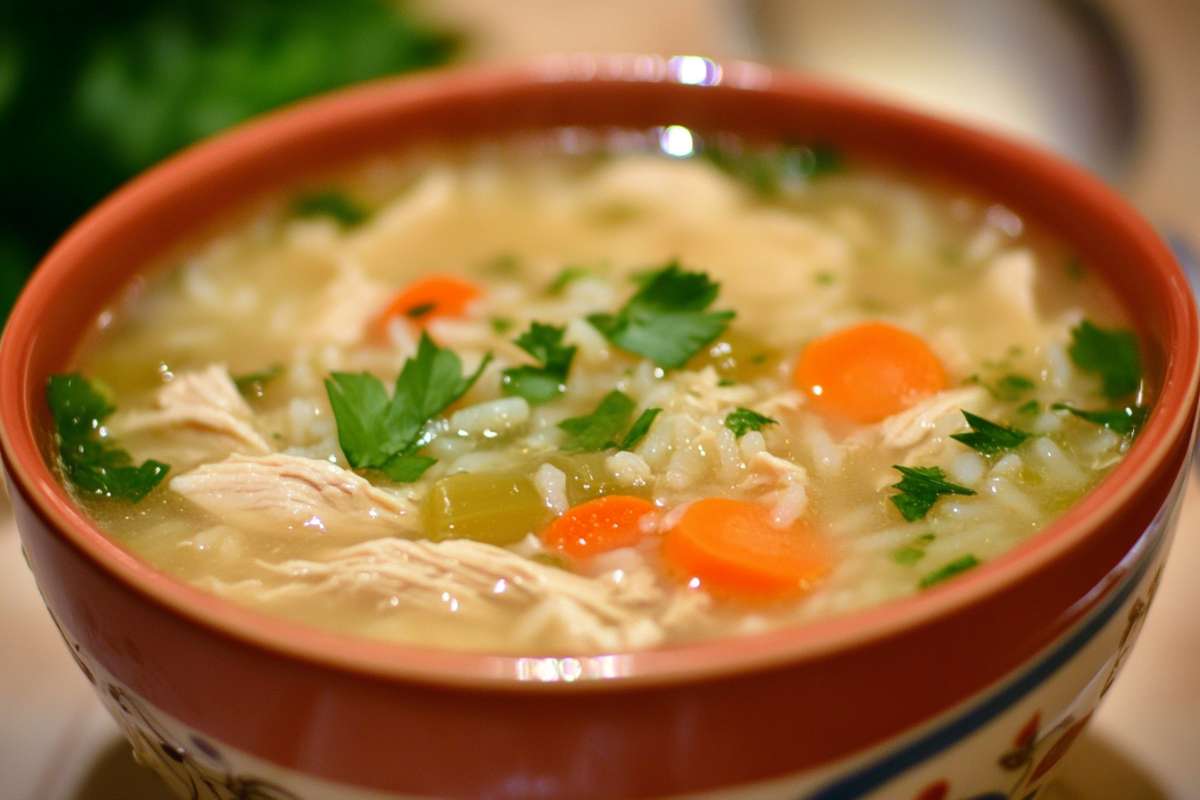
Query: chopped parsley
(330, 203)
(919, 488)
(384, 434)
(565, 278)
(91, 463)
(1124, 421)
(1009, 388)
(1111, 354)
(912, 552)
(1029, 408)
(544, 382)
(956, 567)
(989, 437)
(419, 310)
(769, 172)
(742, 420)
(502, 325)
(667, 319)
(601, 429)
(251, 384)
(824, 278)
(639, 429)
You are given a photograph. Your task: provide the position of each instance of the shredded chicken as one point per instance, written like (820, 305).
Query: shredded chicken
(477, 581)
(349, 301)
(1009, 283)
(204, 400)
(283, 492)
(789, 498)
(914, 424)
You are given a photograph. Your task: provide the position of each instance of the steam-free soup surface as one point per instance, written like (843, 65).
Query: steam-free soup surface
(575, 394)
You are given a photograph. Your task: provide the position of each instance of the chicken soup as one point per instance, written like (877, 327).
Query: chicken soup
(586, 393)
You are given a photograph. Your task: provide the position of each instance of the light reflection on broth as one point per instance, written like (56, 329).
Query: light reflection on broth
(544, 504)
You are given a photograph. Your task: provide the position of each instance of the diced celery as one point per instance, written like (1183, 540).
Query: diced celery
(494, 507)
(588, 478)
(737, 356)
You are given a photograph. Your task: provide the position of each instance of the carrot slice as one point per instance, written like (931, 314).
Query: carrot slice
(428, 298)
(732, 548)
(867, 372)
(596, 526)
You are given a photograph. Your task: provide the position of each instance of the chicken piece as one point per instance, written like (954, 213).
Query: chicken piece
(205, 401)
(280, 492)
(914, 424)
(348, 303)
(1009, 283)
(475, 583)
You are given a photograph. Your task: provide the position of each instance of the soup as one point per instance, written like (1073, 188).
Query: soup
(587, 392)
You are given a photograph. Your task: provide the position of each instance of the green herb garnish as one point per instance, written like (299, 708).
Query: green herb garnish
(1124, 421)
(94, 464)
(1029, 408)
(988, 437)
(330, 203)
(538, 384)
(769, 172)
(920, 488)
(565, 278)
(1111, 354)
(912, 552)
(601, 429)
(666, 320)
(251, 384)
(742, 420)
(955, 567)
(502, 325)
(639, 429)
(419, 310)
(824, 279)
(384, 434)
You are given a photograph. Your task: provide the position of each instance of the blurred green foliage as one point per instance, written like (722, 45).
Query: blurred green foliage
(93, 92)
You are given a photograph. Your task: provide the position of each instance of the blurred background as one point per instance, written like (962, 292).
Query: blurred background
(92, 93)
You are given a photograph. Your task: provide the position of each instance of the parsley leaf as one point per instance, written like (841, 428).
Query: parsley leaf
(912, 552)
(639, 429)
(988, 437)
(1124, 421)
(920, 488)
(666, 320)
(376, 432)
(955, 567)
(600, 429)
(542, 383)
(565, 278)
(1030, 407)
(1111, 354)
(93, 464)
(742, 420)
(251, 384)
(769, 172)
(330, 203)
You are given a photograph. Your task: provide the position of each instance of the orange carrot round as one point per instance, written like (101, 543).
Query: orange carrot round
(428, 298)
(732, 549)
(596, 526)
(867, 372)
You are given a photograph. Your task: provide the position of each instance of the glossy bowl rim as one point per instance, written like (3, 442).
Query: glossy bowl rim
(1169, 422)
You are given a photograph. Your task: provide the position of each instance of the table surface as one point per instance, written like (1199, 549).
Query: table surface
(56, 743)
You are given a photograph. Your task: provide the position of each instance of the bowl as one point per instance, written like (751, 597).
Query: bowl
(975, 688)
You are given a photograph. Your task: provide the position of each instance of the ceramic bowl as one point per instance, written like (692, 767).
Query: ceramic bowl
(974, 689)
